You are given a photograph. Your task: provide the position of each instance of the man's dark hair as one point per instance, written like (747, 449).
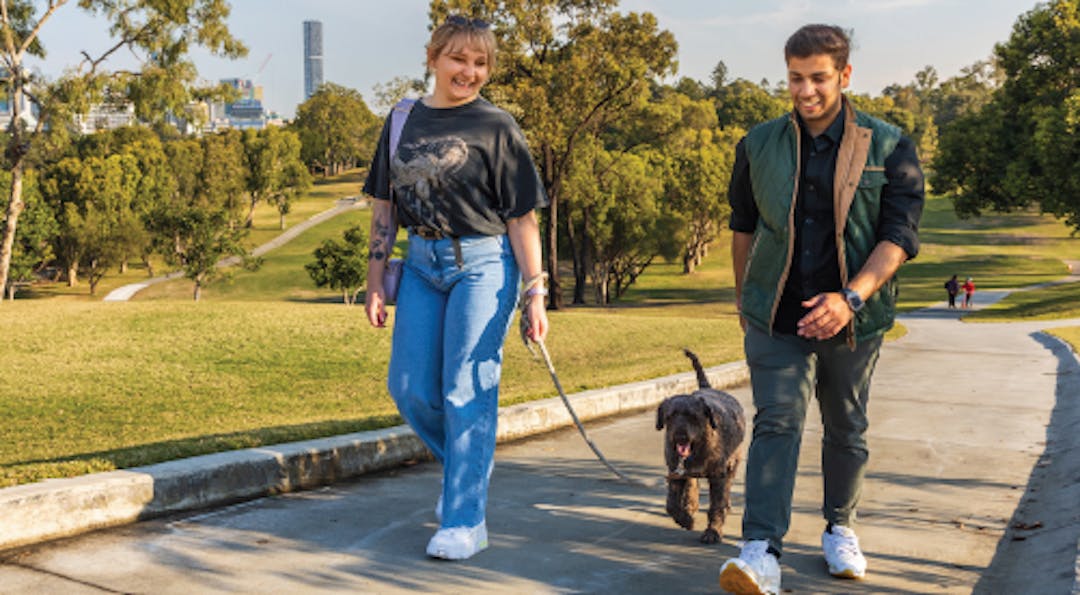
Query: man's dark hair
(811, 40)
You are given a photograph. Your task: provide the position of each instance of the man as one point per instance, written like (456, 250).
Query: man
(825, 208)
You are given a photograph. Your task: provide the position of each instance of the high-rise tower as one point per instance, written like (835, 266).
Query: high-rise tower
(313, 57)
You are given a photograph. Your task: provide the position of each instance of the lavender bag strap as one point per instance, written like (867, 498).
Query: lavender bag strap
(398, 115)
(393, 270)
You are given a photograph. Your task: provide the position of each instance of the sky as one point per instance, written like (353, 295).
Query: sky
(369, 42)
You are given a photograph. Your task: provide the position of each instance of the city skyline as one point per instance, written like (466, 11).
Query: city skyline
(369, 42)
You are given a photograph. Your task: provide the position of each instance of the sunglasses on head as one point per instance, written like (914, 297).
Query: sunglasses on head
(460, 21)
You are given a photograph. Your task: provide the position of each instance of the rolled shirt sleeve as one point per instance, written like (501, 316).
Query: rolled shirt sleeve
(902, 198)
(744, 212)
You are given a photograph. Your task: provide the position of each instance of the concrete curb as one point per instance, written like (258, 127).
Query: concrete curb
(58, 508)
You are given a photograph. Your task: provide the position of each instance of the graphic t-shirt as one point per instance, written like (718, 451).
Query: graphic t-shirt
(462, 170)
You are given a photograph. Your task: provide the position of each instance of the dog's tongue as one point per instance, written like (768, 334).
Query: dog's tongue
(683, 450)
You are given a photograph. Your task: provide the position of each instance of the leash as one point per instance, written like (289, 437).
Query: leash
(577, 422)
(528, 292)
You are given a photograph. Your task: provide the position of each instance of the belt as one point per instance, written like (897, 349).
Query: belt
(428, 233)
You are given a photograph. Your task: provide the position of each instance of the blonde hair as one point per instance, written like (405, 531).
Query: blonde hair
(457, 32)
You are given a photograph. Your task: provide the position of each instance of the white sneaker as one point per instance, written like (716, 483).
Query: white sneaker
(754, 572)
(458, 543)
(842, 552)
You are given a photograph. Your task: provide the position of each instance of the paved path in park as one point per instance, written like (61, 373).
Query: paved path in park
(126, 292)
(973, 486)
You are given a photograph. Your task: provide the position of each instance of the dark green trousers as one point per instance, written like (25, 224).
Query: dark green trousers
(785, 372)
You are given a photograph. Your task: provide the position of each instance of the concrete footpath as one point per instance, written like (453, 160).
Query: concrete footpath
(973, 486)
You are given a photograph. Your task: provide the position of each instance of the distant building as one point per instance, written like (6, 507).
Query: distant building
(27, 113)
(246, 112)
(104, 116)
(313, 57)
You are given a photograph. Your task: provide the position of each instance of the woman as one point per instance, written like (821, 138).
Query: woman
(466, 189)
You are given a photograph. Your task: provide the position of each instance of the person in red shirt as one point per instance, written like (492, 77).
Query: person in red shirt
(969, 292)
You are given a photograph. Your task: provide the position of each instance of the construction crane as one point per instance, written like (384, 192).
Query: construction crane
(262, 66)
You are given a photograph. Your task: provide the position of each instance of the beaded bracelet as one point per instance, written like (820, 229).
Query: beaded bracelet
(535, 286)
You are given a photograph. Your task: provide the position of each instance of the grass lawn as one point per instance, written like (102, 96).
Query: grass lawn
(1070, 335)
(269, 358)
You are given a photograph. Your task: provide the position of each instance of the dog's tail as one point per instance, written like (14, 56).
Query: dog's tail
(702, 380)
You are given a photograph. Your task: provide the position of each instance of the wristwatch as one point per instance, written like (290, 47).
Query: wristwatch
(853, 300)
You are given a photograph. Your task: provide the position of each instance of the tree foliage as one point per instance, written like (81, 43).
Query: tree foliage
(742, 104)
(201, 224)
(160, 33)
(1022, 147)
(342, 265)
(336, 129)
(275, 171)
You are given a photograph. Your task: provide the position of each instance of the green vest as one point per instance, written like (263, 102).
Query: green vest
(772, 148)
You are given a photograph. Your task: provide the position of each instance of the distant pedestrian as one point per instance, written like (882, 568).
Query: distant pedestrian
(465, 186)
(952, 287)
(969, 292)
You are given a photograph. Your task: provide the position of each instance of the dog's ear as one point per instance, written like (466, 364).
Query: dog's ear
(661, 413)
(709, 413)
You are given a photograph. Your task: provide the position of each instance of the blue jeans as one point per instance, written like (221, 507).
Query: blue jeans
(446, 361)
(785, 372)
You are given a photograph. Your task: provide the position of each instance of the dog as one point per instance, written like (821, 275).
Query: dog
(704, 432)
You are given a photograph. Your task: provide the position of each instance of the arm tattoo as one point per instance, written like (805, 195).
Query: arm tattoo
(382, 243)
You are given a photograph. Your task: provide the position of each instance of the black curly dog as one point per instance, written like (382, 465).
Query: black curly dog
(704, 431)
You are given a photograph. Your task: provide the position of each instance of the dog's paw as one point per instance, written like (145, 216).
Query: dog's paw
(683, 519)
(710, 536)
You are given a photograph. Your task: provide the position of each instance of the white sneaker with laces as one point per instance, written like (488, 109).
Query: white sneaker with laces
(755, 572)
(842, 552)
(458, 543)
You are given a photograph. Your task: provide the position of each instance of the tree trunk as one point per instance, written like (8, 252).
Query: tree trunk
(14, 209)
(93, 277)
(580, 249)
(281, 221)
(198, 289)
(73, 273)
(249, 221)
(554, 285)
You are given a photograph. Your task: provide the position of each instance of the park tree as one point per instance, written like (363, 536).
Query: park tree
(389, 93)
(156, 181)
(966, 92)
(275, 172)
(1022, 147)
(698, 172)
(159, 33)
(32, 250)
(336, 129)
(342, 265)
(618, 211)
(200, 227)
(567, 69)
(93, 198)
(743, 104)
